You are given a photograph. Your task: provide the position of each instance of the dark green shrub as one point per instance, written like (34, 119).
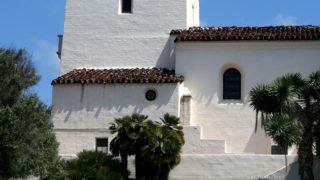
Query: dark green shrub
(93, 165)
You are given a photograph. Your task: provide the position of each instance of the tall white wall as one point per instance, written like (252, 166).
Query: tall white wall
(97, 35)
(195, 144)
(228, 166)
(203, 63)
(235, 167)
(81, 113)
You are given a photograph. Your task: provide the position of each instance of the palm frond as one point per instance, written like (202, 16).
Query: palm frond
(284, 90)
(263, 99)
(314, 84)
(284, 129)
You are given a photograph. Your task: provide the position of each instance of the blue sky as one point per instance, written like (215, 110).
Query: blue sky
(35, 24)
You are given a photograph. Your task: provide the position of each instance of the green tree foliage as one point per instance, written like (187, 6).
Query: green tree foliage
(93, 165)
(17, 73)
(284, 129)
(123, 144)
(131, 131)
(27, 144)
(162, 151)
(156, 146)
(291, 107)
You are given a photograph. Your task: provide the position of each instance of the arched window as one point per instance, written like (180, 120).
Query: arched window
(126, 6)
(231, 84)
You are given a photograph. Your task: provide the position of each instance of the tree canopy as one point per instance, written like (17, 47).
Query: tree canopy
(27, 144)
(17, 73)
(291, 106)
(156, 145)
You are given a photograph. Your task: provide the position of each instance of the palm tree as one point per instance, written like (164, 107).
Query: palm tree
(290, 105)
(156, 146)
(173, 123)
(138, 134)
(122, 145)
(129, 140)
(163, 148)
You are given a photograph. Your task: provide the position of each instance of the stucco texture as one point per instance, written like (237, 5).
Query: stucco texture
(98, 35)
(82, 112)
(235, 167)
(203, 64)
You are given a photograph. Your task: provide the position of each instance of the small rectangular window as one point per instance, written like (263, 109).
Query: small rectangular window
(126, 6)
(276, 149)
(102, 145)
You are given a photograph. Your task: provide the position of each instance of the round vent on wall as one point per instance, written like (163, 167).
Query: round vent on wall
(151, 95)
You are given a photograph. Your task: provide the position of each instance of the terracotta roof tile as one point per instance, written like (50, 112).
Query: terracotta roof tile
(106, 76)
(248, 33)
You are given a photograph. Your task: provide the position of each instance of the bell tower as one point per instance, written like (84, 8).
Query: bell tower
(123, 33)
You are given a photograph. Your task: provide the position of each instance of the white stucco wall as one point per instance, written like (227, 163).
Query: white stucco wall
(291, 172)
(195, 144)
(73, 141)
(227, 166)
(203, 63)
(81, 113)
(96, 35)
(235, 167)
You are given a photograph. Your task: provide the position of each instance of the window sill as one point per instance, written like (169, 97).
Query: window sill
(125, 14)
(231, 102)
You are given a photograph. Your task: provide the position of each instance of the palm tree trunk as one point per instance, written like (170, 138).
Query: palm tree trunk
(286, 158)
(124, 162)
(306, 156)
(164, 173)
(138, 167)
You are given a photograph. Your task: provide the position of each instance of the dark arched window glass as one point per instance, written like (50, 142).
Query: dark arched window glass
(126, 6)
(232, 84)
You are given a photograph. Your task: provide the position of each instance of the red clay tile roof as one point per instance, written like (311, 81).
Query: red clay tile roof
(248, 33)
(106, 76)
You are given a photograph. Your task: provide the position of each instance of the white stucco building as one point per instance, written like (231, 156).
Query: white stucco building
(120, 57)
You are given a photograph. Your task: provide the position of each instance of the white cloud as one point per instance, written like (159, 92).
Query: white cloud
(45, 53)
(285, 20)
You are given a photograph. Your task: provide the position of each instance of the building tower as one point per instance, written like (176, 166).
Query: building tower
(123, 33)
